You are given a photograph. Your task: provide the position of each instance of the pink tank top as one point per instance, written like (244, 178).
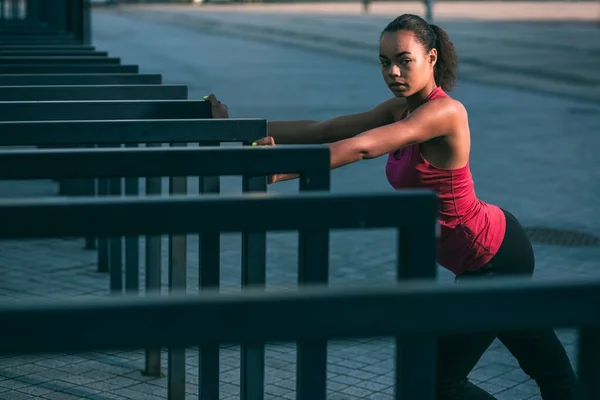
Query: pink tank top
(471, 231)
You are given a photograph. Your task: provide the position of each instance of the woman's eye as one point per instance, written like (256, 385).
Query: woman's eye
(405, 62)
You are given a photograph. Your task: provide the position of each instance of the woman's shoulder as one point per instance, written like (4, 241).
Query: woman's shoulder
(446, 106)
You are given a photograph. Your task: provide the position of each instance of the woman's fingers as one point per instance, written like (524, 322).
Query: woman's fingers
(266, 141)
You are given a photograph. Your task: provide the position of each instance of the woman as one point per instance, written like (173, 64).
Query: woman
(425, 134)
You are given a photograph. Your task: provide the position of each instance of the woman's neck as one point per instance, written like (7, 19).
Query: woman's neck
(417, 99)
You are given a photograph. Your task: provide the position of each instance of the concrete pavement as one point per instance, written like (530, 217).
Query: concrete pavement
(533, 154)
(519, 45)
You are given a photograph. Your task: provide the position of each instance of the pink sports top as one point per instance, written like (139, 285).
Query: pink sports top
(471, 231)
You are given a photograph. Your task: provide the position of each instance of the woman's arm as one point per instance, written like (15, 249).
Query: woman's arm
(332, 130)
(434, 119)
(437, 118)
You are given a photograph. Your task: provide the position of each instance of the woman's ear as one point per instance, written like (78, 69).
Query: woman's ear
(433, 56)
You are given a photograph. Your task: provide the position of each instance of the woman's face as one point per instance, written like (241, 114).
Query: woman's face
(406, 66)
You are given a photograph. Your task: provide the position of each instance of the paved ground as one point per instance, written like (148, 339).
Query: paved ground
(520, 45)
(534, 154)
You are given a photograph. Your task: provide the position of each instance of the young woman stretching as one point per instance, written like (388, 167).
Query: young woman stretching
(425, 135)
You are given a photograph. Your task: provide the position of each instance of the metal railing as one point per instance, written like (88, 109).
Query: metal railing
(312, 313)
(413, 312)
(45, 21)
(412, 213)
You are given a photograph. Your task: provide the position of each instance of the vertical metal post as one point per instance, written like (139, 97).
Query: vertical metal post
(209, 277)
(86, 23)
(88, 188)
(56, 15)
(429, 10)
(15, 9)
(177, 281)
(254, 273)
(103, 248)
(115, 245)
(365, 6)
(132, 243)
(416, 355)
(313, 267)
(153, 272)
(33, 10)
(589, 362)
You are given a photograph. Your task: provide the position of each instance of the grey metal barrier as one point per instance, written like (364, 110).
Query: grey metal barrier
(68, 69)
(50, 53)
(35, 111)
(11, 10)
(79, 79)
(90, 93)
(413, 213)
(45, 20)
(45, 39)
(93, 92)
(60, 60)
(24, 30)
(311, 162)
(406, 309)
(103, 110)
(27, 46)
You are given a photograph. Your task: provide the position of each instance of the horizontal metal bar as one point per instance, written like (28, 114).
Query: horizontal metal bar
(38, 39)
(49, 60)
(26, 29)
(72, 217)
(23, 133)
(68, 69)
(308, 313)
(158, 162)
(25, 33)
(25, 25)
(53, 53)
(79, 79)
(103, 110)
(19, 31)
(47, 47)
(93, 92)
(22, 27)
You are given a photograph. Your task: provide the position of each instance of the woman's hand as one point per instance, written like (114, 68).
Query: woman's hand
(269, 141)
(219, 110)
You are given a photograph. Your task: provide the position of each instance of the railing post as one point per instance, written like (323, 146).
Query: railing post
(132, 243)
(103, 263)
(313, 268)
(153, 272)
(115, 245)
(416, 355)
(429, 10)
(177, 280)
(254, 273)
(209, 277)
(589, 361)
(86, 22)
(33, 10)
(16, 9)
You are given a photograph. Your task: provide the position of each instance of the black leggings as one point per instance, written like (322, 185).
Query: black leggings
(539, 352)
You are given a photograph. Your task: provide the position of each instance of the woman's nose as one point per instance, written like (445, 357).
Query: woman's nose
(394, 71)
